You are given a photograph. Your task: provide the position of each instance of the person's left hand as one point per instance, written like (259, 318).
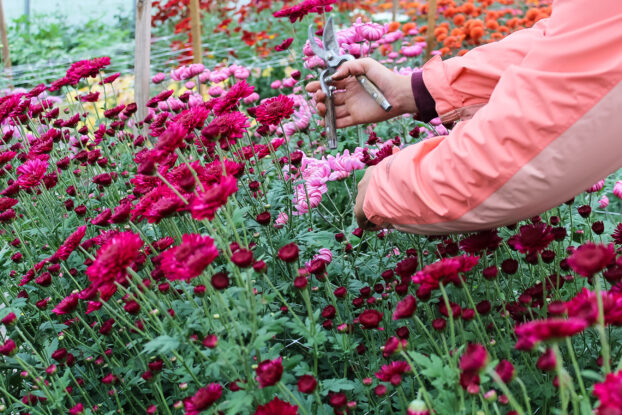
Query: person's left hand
(361, 219)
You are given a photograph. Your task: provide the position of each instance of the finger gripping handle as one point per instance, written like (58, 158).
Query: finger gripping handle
(374, 92)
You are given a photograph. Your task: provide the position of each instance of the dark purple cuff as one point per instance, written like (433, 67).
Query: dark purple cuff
(425, 103)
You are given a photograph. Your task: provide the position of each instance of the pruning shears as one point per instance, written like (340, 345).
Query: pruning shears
(329, 52)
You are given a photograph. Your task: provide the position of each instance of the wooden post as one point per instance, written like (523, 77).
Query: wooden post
(6, 57)
(195, 22)
(430, 39)
(396, 4)
(142, 56)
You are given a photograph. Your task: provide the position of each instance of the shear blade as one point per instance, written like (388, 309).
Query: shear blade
(314, 46)
(329, 39)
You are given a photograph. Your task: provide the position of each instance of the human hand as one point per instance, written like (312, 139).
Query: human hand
(361, 219)
(353, 105)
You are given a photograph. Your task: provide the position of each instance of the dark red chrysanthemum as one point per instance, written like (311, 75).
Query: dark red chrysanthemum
(112, 261)
(284, 45)
(482, 241)
(533, 238)
(229, 126)
(189, 259)
(370, 318)
(474, 359)
(274, 110)
(307, 384)
(277, 407)
(505, 370)
(617, 234)
(289, 252)
(269, 372)
(405, 308)
(590, 258)
(202, 399)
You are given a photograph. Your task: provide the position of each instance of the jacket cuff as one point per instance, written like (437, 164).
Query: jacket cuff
(425, 103)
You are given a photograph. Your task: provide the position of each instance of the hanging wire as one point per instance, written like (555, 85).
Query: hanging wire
(163, 59)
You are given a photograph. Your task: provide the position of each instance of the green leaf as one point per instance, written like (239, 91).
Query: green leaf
(336, 385)
(161, 345)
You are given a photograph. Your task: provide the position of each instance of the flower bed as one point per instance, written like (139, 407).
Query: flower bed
(205, 259)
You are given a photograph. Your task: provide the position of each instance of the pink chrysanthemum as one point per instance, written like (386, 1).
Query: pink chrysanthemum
(189, 259)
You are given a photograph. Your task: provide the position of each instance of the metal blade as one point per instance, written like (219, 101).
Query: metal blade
(314, 46)
(329, 38)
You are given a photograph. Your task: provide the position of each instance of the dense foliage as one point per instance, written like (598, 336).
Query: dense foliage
(205, 259)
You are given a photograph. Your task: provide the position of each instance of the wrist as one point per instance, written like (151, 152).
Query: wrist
(405, 99)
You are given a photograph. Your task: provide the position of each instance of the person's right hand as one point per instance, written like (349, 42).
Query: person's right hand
(353, 105)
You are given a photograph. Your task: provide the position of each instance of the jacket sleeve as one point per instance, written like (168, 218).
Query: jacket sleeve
(549, 131)
(462, 85)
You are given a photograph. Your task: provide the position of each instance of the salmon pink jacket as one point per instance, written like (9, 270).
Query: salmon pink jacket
(541, 121)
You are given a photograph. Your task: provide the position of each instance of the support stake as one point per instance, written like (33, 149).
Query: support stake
(430, 40)
(396, 4)
(142, 57)
(195, 22)
(6, 57)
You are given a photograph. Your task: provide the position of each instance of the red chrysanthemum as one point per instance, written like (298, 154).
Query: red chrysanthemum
(393, 372)
(277, 407)
(189, 259)
(70, 244)
(590, 258)
(551, 329)
(202, 399)
(67, 304)
(275, 110)
(112, 261)
(445, 271)
(609, 393)
(86, 68)
(585, 306)
(300, 10)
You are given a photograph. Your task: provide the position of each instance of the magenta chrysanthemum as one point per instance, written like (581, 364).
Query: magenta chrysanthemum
(113, 259)
(31, 172)
(190, 258)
